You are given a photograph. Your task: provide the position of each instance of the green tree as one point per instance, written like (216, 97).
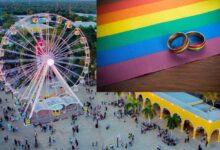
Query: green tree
(173, 121)
(148, 112)
(211, 96)
(205, 96)
(8, 20)
(30, 12)
(119, 93)
(131, 105)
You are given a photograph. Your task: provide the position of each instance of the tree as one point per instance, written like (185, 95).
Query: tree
(148, 112)
(173, 121)
(131, 105)
(30, 12)
(211, 96)
(119, 93)
(8, 20)
(214, 98)
(206, 96)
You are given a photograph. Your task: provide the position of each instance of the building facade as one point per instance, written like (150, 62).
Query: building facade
(194, 117)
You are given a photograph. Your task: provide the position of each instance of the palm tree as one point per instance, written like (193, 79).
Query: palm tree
(206, 96)
(131, 105)
(173, 121)
(214, 98)
(119, 93)
(148, 112)
(211, 96)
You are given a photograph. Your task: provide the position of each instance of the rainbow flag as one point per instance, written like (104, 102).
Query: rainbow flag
(132, 35)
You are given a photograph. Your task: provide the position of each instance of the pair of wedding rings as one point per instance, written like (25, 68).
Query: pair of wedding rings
(186, 44)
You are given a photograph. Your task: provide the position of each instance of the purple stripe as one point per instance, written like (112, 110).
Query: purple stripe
(152, 63)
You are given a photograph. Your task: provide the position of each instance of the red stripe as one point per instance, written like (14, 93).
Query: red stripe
(122, 4)
(152, 63)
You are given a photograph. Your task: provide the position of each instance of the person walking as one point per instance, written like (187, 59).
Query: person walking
(199, 147)
(15, 141)
(73, 129)
(35, 143)
(77, 129)
(50, 141)
(73, 147)
(77, 143)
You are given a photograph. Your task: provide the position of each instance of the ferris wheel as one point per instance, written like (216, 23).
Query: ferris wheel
(43, 55)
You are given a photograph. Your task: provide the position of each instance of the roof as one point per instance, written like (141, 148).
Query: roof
(192, 104)
(54, 103)
(84, 24)
(86, 15)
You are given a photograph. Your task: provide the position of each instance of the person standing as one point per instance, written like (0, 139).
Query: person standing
(26, 141)
(206, 143)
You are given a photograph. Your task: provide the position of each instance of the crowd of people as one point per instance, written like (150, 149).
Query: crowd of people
(146, 126)
(96, 112)
(166, 137)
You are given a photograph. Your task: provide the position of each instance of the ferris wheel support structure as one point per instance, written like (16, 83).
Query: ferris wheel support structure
(50, 63)
(41, 81)
(65, 85)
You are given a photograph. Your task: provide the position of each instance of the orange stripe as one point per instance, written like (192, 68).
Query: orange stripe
(122, 4)
(142, 10)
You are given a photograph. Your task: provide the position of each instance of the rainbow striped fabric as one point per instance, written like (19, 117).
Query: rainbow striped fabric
(132, 35)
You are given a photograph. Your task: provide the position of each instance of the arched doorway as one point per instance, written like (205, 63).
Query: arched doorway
(147, 100)
(156, 108)
(179, 118)
(201, 134)
(140, 100)
(165, 112)
(132, 94)
(188, 128)
(214, 136)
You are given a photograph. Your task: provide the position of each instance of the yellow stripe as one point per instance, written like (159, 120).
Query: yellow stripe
(158, 17)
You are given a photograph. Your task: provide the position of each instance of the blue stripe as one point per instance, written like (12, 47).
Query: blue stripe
(147, 47)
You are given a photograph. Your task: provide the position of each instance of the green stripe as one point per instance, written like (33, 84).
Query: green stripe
(133, 36)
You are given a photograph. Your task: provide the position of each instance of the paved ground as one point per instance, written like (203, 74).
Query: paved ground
(88, 133)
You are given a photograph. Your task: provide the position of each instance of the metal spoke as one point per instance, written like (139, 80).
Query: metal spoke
(18, 60)
(67, 47)
(70, 64)
(20, 45)
(65, 76)
(19, 53)
(67, 69)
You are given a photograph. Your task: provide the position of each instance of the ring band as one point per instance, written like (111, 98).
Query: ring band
(196, 46)
(181, 48)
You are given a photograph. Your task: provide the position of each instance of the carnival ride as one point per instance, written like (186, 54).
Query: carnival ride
(41, 56)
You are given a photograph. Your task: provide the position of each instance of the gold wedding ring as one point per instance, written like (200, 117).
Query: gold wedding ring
(184, 45)
(197, 46)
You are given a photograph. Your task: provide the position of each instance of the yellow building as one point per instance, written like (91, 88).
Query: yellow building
(199, 118)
